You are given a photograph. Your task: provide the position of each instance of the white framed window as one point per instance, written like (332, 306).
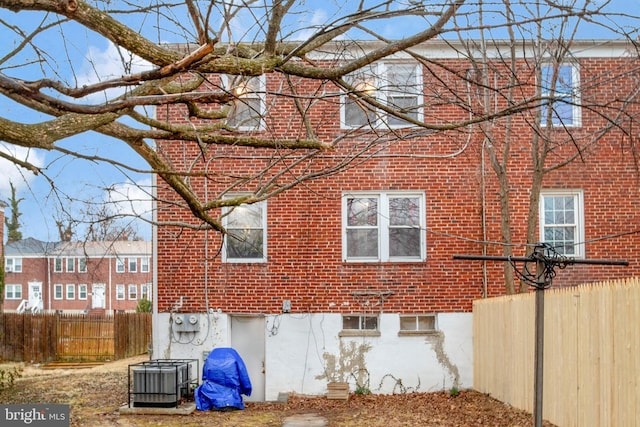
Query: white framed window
(82, 265)
(249, 108)
(359, 325)
(71, 265)
(417, 324)
(562, 221)
(133, 292)
(71, 291)
(57, 265)
(387, 226)
(119, 265)
(119, 292)
(12, 291)
(560, 91)
(13, 265)
(57, 291)
(82, 291)
(133, 265)
(144, 264)
(360, 322)
(145, 291)
(246, 238)
(398, 85)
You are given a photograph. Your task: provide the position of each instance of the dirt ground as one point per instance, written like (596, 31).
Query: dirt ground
(96, 394)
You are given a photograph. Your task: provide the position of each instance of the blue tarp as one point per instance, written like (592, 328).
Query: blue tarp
(224, 379)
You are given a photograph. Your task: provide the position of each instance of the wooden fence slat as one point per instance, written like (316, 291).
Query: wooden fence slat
(591, 351)
(42, 338)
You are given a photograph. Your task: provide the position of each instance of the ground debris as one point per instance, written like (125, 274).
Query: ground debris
(96, 394)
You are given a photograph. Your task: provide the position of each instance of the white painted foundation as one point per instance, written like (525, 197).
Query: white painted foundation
(301, 349)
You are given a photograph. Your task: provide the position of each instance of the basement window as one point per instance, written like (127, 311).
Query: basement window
(359, 325)
(417, 324)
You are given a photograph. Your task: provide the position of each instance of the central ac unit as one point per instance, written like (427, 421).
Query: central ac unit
(162, 383)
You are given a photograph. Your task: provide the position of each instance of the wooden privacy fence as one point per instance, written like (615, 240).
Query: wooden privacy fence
(41, 338)
(591, 353)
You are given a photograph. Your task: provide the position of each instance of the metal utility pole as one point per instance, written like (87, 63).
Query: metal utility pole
(543, 279)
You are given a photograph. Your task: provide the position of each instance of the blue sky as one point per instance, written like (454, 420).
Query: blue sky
(85, 58)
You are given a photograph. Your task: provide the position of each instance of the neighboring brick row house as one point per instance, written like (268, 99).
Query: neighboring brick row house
(351, 277)
(80, 277)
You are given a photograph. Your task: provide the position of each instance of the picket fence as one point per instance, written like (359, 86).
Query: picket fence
(41, 338)
(591, 374)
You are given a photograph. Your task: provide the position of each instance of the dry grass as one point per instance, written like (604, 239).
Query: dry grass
(95, 395)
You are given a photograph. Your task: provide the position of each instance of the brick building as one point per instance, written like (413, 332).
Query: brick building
(82, 277)
(351, 277)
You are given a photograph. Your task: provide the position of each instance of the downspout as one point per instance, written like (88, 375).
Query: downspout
(110, 296)
(483, 201)
(49, 307)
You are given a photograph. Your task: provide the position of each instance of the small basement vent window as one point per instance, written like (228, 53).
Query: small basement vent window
(417, 324)
(359, 324)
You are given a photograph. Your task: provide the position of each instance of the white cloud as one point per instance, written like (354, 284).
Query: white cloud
(132, 199)
(106, 64)
(10, 172)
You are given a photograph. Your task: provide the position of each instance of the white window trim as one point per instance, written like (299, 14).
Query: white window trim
(380, 69)
(225, 258)
(82, 264)
(70, 287)
(129, 287)
(55, 265)
(120, 265)
(134, 262)
(383, 226)
(579, 215)
(144, 264)
(121, 296)
(260, 95)
(72, 262)
(575, 97)
(13, 265)
(417, 331)
(86, 291)
(13, 288)
(360, 332)
(55, 292)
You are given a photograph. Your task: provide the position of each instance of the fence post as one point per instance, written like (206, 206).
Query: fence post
(539, 337)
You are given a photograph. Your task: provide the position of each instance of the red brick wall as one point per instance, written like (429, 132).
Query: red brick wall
(304, 225)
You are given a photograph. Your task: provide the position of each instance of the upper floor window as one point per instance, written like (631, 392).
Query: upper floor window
(383, 227)
(13, 265)
(57, 265)
(119, 265)
(144, 264)
(82, 265)
(133, 265)
(71, 263)
(246, 238)
(560, 91)
(395, 84)
(562, 221)
(13, 291)
(248, 110)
